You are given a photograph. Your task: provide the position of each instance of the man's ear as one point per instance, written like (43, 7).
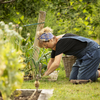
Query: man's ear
(51, 40)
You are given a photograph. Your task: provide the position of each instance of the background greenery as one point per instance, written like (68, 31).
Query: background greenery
(80, 17)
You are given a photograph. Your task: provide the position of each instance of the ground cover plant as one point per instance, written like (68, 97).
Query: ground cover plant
(64, 90)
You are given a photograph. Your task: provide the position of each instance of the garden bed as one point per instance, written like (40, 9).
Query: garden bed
(25, 94)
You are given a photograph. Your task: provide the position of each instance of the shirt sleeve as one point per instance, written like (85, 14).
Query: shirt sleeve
(53, 54)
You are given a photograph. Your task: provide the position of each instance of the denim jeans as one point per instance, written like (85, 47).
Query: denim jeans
(86, 67)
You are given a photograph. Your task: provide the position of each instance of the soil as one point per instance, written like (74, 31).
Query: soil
(24, 95)
(26, 78)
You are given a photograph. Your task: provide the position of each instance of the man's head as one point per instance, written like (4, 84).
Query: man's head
(46, 38)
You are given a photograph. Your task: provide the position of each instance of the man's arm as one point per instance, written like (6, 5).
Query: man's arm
(50, 62)
(54, 65)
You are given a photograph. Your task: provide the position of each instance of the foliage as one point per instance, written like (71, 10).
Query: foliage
(32, 67)
(21, 13)
(43, 59)
(74, 16)
(64, 16)
(11, 60)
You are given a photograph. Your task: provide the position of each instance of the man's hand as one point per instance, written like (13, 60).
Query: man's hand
(46, 77)
(54, 65)
(45, 74)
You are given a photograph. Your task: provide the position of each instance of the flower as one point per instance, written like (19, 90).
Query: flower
(1, 32)
(10, 24)
(20, 28)
(6, 26)
(13, 26)
(2, 25)
(28, 34)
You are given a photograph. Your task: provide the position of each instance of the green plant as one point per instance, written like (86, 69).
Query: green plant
(11, 60)
(33, 64)
(43, 59)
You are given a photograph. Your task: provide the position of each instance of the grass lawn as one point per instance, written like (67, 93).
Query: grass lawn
(64, 90)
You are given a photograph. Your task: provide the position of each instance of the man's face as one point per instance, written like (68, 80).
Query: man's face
(50, 44)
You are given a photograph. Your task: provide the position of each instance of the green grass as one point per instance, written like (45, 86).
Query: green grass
(64, 90)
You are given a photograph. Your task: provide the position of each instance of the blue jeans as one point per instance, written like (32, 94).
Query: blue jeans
(86, 67)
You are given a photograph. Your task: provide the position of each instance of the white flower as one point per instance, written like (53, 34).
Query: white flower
(28, 34)
(14, 33)
(6, 26)
(13, 26)
(1, 32)
(10, 24)
(2, 24)
(8, 32)
(20, 28)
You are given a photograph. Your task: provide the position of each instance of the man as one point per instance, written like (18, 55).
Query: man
(85, 50)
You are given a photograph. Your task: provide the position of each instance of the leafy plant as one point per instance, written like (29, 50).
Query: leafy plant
(33, 64)
(43, 59)
(11, 60)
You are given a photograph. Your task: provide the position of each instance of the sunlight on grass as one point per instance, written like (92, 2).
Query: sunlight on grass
(64, 90)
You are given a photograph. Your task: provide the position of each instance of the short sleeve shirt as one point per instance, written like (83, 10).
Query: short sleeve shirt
(67, 45)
